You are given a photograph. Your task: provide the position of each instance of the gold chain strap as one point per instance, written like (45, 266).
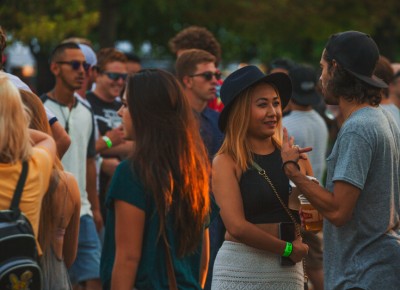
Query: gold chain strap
(297, 226)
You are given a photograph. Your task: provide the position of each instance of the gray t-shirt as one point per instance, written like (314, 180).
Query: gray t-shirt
(392, 109)
(365, 252)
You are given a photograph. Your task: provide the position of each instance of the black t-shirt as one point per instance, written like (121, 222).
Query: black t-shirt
(105, 113)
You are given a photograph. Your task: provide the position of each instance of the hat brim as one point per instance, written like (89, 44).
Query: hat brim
(280, 81)
(373, 81)
(310, 99)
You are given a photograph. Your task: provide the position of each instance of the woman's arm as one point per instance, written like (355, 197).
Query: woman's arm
(205, 258)
(43, 140)
(225, 186)
(70, 245)
(129, 228)
(61, 137)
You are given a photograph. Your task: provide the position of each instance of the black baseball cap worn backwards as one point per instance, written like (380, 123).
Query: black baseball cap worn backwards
(244, 78)
(357, 53)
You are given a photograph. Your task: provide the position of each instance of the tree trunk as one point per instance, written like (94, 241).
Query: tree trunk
(108, 22)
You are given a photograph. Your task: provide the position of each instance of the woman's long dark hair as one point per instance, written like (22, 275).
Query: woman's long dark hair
(169, 154)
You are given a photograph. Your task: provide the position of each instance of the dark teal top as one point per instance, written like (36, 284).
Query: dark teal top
(152, 271)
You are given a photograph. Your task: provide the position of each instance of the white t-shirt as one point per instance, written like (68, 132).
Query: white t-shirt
(81, 131)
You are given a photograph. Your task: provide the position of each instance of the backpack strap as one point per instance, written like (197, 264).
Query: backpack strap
(20, 187)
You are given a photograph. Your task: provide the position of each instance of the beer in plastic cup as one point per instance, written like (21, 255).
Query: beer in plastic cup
(312, 219)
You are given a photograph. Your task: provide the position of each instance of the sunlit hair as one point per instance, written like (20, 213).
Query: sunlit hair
(169, 156)
(14, 136)
(236, 143)
(39, 122)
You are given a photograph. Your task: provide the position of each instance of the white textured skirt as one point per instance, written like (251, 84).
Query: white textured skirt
(238, 267)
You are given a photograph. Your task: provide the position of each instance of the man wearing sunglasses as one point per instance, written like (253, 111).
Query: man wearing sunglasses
(110, 74)
(68, 65)
(195, 69)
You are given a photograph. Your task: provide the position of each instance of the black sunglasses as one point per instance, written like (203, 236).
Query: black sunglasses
(209, 75)
(76, 64)
(115, 76)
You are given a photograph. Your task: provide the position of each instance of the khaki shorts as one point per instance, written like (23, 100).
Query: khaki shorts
(314, 258)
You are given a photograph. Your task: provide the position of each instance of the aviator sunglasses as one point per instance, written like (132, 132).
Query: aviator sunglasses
(208, 75)
(115, 76)
(76, 64)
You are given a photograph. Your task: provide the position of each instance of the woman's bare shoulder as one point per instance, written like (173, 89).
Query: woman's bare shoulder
(225, 163)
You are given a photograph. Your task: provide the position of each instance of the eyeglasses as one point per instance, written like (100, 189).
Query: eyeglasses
(209, 75)
(75, 64)
(115, 76)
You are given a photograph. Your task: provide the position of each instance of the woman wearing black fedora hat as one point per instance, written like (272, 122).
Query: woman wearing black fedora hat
(253, 209)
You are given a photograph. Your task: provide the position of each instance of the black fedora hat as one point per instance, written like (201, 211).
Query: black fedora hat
(245, 77)
(357, 53)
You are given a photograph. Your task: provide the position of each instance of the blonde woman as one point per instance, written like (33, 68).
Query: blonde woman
(59, 218)
(249, 207)
(18, 144)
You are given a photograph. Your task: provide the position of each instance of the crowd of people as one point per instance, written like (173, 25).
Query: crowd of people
(144, 179)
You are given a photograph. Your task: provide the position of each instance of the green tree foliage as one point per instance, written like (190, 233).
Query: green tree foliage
(262, 29)
(247, 29)
(48, 21)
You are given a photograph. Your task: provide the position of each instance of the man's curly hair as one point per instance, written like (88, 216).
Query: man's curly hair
(196, 37)
(344, 84)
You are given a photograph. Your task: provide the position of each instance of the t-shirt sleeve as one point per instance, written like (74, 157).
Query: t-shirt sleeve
(354, 160)
(125, 186)
(91, 149)
(50, 116)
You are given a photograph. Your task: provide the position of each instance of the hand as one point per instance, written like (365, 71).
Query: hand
(98, 220)
(290, 151)
(299, 251)
(116, 135)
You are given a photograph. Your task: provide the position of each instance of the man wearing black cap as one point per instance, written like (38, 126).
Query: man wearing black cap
(303, 123)
(309, 129)
(361, 202)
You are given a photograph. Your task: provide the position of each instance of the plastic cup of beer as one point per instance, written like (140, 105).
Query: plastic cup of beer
(312, 219)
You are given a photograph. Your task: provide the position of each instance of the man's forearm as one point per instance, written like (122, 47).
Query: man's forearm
(319, 197)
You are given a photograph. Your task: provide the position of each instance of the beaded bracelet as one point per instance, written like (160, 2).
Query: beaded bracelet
(288, 249)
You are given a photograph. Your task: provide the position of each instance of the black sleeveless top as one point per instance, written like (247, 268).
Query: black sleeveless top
(259, 201)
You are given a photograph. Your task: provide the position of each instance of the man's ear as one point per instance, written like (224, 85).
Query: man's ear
(93, 72)
(54, 68)
(187, 82)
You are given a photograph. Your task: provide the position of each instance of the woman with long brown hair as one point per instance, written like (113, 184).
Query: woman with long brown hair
(158, 199)
(59, 217)
(255, 209)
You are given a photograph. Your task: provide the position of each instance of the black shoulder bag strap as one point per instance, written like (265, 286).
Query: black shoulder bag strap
(19, 189)
(298, 230)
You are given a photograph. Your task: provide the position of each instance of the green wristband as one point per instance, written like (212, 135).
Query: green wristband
(108, 141)
(288, 249)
